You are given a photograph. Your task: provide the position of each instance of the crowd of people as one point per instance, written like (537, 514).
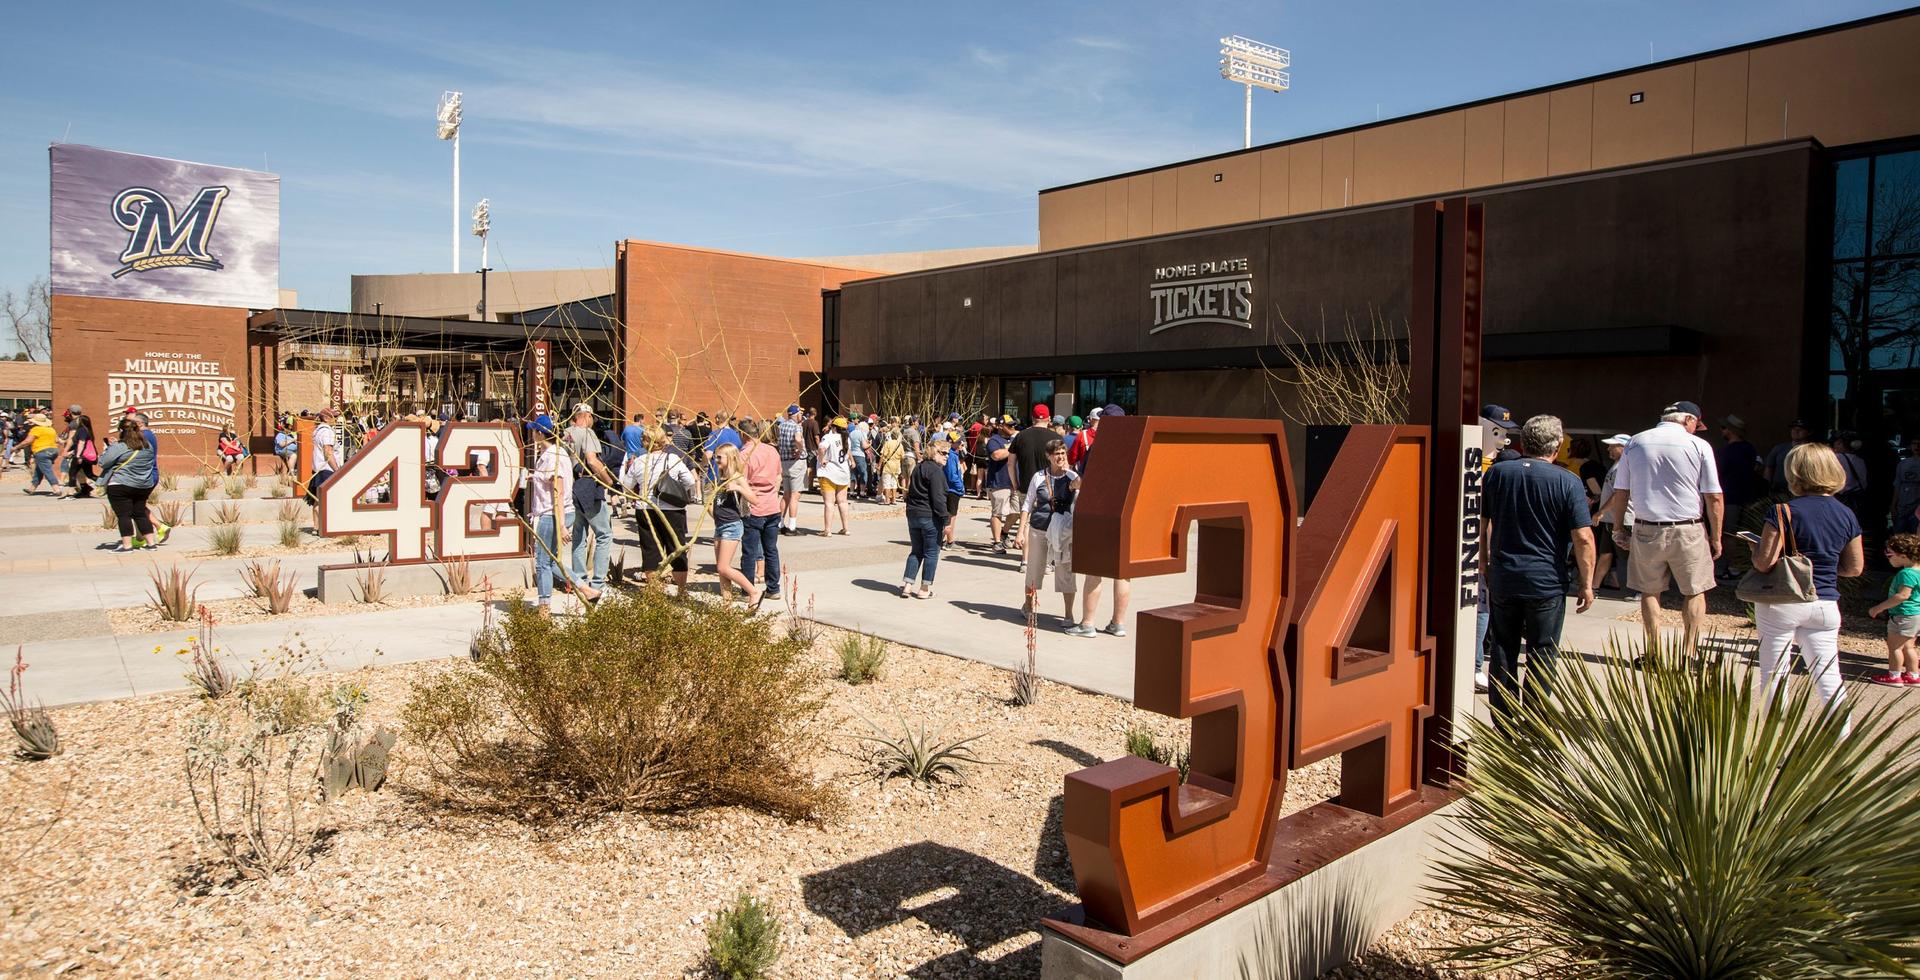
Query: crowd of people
(1667, 505)
(1659, 510)
(740, 480)
(72, 462)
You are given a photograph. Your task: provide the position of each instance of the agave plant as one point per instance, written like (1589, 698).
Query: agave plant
(920, 756)
(1682, 821)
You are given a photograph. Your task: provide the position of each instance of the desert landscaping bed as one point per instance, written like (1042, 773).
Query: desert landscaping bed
(107, 871)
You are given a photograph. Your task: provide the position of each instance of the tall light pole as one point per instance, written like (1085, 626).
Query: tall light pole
(483, 223)
(1251, 63)
(448, 117)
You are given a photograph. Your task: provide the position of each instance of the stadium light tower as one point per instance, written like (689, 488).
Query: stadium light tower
(448, 117)
(1251, 63)
(483, 223)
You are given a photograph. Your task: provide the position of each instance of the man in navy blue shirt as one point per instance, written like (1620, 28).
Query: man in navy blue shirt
(1537, 549)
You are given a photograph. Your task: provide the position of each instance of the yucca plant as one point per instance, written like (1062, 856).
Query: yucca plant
(170, 512)
(293, 512)
(169, 482)
(174, 595)
(861, 657)
(224, 539)
(744, 939)
(1677, 821)
(922, 757)
(227, 513)
(34, 734)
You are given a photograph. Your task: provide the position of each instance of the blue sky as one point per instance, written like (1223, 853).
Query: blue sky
(791, 129)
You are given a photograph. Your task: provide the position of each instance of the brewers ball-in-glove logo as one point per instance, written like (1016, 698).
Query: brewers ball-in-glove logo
(159, 239)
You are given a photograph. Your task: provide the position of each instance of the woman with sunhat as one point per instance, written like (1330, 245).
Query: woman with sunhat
(834, 476)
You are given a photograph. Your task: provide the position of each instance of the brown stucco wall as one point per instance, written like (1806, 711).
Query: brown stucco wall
(1716, 246)
(93, 338)
(1851, 85)
(706, 330)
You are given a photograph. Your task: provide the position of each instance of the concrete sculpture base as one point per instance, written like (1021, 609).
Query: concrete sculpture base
(342, 583)
(1329, 910)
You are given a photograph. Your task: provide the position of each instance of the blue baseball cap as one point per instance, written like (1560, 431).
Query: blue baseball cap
(542, 424)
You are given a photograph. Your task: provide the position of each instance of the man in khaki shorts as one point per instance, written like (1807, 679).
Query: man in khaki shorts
(1669, 476)
(999, 482)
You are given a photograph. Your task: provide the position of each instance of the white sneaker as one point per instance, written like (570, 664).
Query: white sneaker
(1479, 680)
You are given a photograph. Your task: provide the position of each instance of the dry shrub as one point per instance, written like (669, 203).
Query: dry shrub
(265, 583)
(235, 486)
(108, 522)
(200, 490)
(170, 512)
(289, 534)
(262, 767)
(227, 513)
(169, 482)
(293, 511)
(647, 702)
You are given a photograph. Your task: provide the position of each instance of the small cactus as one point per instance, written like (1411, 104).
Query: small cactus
(355, 763)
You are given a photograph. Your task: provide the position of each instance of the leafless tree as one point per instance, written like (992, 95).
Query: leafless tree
(30, 318)
(1345, 379)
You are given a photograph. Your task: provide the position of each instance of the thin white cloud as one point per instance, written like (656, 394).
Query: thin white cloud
(1016, 130)
(996, 60)
(1103, 43)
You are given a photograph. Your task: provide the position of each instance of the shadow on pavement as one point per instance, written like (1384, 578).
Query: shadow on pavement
(988, 610)
(975, 900)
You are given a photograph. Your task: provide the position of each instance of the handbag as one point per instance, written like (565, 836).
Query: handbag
(1790, 579)
(88, 452)
(673, 494)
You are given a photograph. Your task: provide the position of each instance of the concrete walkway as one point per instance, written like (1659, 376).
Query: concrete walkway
(59, 587)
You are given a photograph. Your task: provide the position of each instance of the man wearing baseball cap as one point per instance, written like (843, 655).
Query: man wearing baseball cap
(1667, 476)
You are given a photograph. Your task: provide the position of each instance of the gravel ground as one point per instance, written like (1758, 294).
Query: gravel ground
(102, 870)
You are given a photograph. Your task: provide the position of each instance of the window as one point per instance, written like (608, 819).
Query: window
(1095, 391)
(1873, 312)
(1019, 395)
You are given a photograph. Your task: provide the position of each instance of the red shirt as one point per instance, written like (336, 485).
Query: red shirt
(1077, 452)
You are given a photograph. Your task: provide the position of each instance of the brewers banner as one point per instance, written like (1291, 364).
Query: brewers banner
(127, 226)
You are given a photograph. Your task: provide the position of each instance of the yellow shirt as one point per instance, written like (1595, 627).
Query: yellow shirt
(43, 437)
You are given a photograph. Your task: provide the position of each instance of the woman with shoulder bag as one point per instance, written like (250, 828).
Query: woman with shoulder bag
(662, 486)
(128, 473)
(1808, 545)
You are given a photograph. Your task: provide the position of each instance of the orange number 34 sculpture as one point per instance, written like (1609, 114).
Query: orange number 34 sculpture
(1301, 642)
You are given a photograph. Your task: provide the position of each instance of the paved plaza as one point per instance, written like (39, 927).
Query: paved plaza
(59, 586)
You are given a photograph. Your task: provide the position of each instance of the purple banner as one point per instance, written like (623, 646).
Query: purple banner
(127, 226)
